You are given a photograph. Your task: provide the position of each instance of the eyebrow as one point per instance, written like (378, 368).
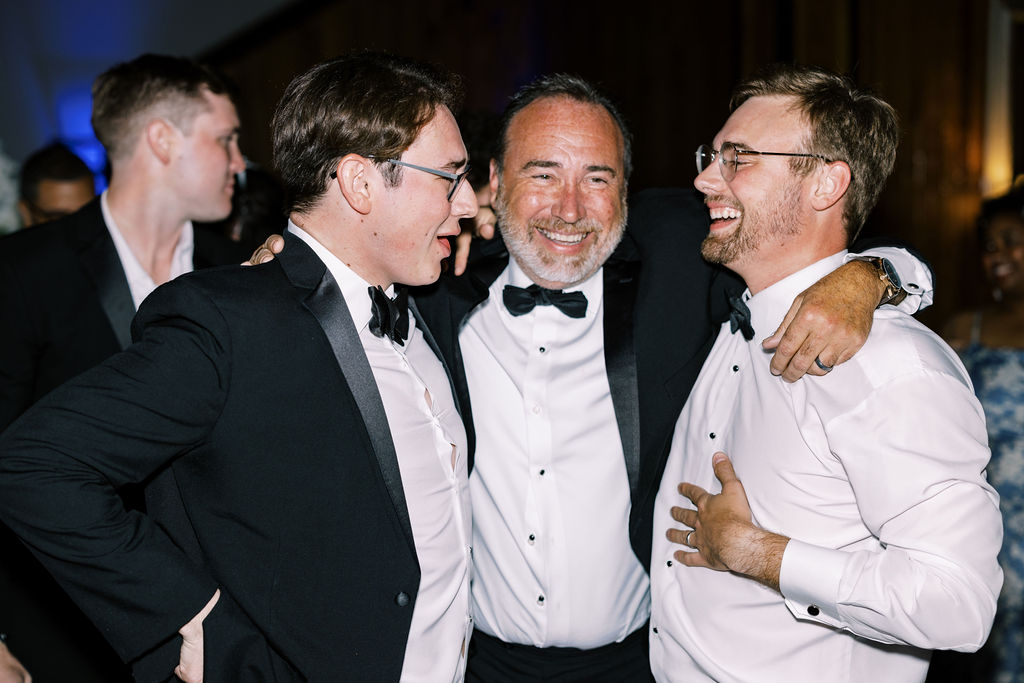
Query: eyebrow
(593, 168)
(454, 165)
(736, 143)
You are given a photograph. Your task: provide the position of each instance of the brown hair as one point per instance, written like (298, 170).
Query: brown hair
(367, 103)
(124, 96)
(847, 124)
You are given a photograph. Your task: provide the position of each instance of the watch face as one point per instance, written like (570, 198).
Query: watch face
(891, 273)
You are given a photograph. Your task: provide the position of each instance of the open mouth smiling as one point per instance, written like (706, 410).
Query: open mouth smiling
(568, 239)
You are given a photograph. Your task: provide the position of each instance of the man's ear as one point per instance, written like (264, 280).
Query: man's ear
(357, 181)
(161, 138)
(493, 182)
(833, 180)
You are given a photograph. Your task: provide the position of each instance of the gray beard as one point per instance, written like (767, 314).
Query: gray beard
(569, 271)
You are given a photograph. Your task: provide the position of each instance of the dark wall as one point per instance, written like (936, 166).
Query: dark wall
(671, 65)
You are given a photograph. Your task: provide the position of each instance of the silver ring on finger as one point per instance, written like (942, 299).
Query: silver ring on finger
(822, 366)
(688, 534)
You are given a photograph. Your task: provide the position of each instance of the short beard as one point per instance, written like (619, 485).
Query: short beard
(777, 220)
(535, 262)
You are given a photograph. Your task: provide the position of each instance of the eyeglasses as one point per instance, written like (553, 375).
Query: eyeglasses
(455, 178)
(729, 158)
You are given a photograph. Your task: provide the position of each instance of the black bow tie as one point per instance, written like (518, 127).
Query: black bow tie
(739, 318)
(521, 301)
(390, 316)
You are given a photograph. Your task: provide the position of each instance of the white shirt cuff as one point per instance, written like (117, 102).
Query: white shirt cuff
(809, 581)
(915, 277)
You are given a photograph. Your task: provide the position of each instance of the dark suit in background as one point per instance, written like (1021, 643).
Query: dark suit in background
(270, 431)
(65, 306)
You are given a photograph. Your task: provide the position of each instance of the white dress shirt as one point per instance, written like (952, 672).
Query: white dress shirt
(139, 281)
(554, 565)
(430, 442)
(876, 473)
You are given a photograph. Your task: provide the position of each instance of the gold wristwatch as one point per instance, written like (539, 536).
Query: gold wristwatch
(894, 292)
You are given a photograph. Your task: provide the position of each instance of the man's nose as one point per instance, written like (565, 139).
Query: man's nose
(569, 205)
(710, 181)
(464, 203)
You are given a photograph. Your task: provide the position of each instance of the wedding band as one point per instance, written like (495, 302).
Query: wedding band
(688, 534)
(824, 368)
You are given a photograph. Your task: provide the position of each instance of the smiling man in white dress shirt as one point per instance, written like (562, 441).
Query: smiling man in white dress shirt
(864, 533)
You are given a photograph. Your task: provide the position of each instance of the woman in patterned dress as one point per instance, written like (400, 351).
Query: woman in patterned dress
(990, 341)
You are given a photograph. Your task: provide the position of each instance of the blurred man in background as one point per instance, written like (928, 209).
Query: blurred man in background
(53, 183)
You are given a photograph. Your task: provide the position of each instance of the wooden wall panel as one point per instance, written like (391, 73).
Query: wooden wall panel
(671, 67)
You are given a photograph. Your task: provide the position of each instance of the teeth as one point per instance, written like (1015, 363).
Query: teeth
(574, 238)
(723, 212)
(1002, 269)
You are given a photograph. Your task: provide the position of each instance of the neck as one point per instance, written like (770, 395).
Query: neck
(151, 228)
(333, 233)
(778, 258)
(1011, 302)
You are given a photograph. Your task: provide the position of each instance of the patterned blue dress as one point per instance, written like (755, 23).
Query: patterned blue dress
(998, 377)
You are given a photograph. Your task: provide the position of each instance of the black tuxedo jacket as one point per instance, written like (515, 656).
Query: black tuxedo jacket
(65, 303)
(663, 304)
(65, 306)
(248, 391)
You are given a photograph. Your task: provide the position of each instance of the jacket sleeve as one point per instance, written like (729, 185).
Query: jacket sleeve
(62, 462)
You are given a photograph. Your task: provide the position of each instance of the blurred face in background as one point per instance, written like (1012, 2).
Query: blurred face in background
(206, 160)
(56, 198)
(1002, 255)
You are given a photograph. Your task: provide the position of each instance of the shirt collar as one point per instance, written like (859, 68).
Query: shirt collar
(353, 287)
(140, 284)
(186, 241)
(769, 306)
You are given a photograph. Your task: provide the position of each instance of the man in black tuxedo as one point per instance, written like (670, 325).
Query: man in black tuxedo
(69, 289)
(579, 352)
(308, 520)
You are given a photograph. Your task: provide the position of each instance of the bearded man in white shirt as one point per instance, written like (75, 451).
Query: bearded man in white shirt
(864, 533)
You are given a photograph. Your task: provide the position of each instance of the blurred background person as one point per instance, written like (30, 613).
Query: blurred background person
(69, 289)
(990, 340)
(53, 183)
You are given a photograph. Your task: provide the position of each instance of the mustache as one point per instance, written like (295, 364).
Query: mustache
(584, 225)
(720, 199)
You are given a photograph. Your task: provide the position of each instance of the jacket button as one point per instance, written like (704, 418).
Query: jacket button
(813, 610)
(402, 599)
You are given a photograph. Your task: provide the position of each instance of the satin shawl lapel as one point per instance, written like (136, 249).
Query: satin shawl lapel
(98, 257)
(327, 304)
(620, 288)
